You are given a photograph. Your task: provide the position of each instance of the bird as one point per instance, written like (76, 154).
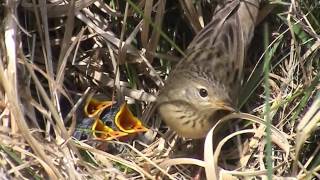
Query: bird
(204, 85)
(107, 120)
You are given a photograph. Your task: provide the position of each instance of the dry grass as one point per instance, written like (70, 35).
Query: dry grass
(54, 53)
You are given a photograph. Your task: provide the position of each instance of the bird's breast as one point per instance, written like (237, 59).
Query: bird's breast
(185, 120)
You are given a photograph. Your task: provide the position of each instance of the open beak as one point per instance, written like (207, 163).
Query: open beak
(94, 107)
(100, 130)
(127, 122)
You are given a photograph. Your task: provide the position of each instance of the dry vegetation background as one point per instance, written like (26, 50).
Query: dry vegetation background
(54, 53)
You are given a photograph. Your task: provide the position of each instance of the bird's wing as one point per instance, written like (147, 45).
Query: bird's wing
(210, 34)
(217, 52)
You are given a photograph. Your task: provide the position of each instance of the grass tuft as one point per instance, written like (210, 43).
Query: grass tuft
(54, 54)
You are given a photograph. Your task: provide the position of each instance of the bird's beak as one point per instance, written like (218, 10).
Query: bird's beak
(221, 105)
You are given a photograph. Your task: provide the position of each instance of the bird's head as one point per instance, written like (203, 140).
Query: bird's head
(191, 105)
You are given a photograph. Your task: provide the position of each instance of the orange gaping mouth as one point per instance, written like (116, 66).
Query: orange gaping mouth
(127, 122)
(101, 131)
(122, 121)
(94, 107)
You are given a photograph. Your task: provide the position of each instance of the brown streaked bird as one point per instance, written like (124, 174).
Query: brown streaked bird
(205, 84)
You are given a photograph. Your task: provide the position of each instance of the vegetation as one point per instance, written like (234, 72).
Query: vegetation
(54, 54)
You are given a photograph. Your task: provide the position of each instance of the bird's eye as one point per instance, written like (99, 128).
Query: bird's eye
(203, 92)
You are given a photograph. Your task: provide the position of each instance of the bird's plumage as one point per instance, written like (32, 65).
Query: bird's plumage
(213, 64)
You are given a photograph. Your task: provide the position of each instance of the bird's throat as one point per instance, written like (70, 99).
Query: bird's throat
(185, 120)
